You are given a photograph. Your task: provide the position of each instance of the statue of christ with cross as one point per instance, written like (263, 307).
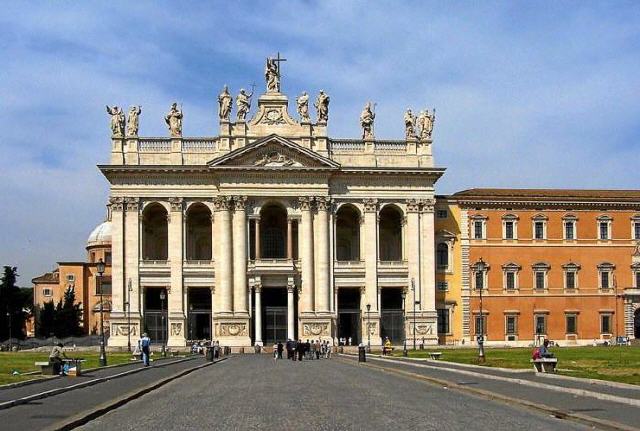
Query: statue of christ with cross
(272, 73)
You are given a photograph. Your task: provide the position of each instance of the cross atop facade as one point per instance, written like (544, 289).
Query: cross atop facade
(278, 60)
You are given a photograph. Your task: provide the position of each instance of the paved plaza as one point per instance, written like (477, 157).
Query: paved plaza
(250, 392)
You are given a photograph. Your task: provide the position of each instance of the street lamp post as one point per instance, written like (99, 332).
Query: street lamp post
(129, 289)
(480, 267)
(100, 266)
(369, 327)
(413, 288)
(10, 337)
(163, 296)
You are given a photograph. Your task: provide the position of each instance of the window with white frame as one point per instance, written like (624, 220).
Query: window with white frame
(540, 271)
(604, 227)
(479, 226)
(442, 256)
(540, 323)
(511, 324)
(635, 268)
(481, 324)
(509, 226)
(480, 277)
(71, 278)
(47, 292)
(569, 223)
(605, 323)
(571, 321)
(605, 275)
(442, 213)
(539, 227)
(571, 275)
(443, 286)
(510, 278)
(635, 227)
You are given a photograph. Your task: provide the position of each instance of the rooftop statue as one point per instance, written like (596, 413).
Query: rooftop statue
(225, 103)
(243, 103)
(174, 121)
(367, 118)
(409, 124)
(272, 75)
(425, 123)
(322, 107)
(117, 121)
(303, 107)
(133, 122)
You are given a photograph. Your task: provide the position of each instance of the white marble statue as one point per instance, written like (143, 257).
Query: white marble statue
(409, 124)
(225, 103)
(243, 104)
(272, 75)
(133, 122)
(303, 107)
(174, 121)
(425, 123)
(322, 107)
(117, 121)
(367, 117)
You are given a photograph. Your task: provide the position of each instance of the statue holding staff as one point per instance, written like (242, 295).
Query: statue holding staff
(243, 103)
(117, 121)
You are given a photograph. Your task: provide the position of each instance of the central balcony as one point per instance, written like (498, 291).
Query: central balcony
(273, 266)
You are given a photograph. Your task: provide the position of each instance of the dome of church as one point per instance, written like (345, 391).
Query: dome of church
(101, 235)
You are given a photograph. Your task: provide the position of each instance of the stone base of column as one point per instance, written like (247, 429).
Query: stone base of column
(121, 328)
(316, 327)
(426, 324)
(177, 329)
(231, 331)
(372, 321)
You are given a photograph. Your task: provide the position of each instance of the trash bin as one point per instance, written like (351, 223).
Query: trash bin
(362, 354)
(210, 354)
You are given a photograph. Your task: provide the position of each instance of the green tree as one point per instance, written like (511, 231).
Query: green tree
(68, 316)
(46, 319)
(12, 307)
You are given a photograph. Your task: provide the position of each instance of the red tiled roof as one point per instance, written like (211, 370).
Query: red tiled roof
(570, 195)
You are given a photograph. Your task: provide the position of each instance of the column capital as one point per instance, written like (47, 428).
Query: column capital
(427, 205)
(413, 205)
(305, 203)
(176, 204)
(117, 203)
(370, 204)
(257, 287)
(291, 288)
(322, 203)
(221, 203)
(132, 204)
(239, 202)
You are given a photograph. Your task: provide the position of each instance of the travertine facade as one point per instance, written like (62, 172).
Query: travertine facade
(271, 230)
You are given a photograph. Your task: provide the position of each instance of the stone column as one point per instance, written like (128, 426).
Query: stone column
(290, 310)
(175, 305)
(322, 256)
(117, 316)
(429, 315)
(370, 257)
(306, 241)
(240, 291)
(132, 259)
(257, 288)
(412, 247)
(257, 239)
(289, 238)
(224, 275)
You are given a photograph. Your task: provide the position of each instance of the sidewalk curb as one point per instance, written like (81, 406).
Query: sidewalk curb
(580, 392)
(507, 400)
(461, 365)
(57, 391)
(101, 410)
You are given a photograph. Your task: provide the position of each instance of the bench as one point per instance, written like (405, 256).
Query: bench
(435, 355)
(46, 368)
(545, 365)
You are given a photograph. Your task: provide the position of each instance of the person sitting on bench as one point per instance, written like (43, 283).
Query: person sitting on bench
(55, 358)
(544, 351)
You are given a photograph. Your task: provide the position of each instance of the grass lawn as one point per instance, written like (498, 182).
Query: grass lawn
(619, 364)
(23, 362)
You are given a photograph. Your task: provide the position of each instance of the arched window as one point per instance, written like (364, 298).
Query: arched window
(347, 233)
(154, 233)
(273, 232)
(442, 256)
(390, 233)
(198, 232)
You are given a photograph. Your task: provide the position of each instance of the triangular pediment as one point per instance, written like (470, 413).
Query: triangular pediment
(273, 151)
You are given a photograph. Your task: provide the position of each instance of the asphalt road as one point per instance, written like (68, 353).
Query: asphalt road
(249, 392)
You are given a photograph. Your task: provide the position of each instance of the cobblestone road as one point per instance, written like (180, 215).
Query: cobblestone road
(250, 392)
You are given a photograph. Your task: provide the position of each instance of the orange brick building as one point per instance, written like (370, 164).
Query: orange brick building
(558, 264)
(83, 278)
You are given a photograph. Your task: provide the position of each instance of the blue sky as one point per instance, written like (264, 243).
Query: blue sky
(528, 94)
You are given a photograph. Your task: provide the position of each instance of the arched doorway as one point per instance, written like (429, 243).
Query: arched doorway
(154, 233)
(348, 233)
(198, 232)
(390, 233)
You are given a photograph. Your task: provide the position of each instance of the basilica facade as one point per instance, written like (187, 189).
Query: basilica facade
(272, 230)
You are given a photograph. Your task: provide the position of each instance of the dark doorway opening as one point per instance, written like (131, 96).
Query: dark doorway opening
(274, 315)
(392, 315)
(199, 315)
(349, 316)
(636, 324)
(155, 314)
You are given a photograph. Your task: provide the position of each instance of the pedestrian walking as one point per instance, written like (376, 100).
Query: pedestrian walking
(280, 349)
(300, 349)
(145, 348)
(317, 349)
(275, 352)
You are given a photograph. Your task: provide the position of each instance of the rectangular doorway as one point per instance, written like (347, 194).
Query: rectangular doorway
(392, 315)
(199, 314)
(349, 316)
(274, 315)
